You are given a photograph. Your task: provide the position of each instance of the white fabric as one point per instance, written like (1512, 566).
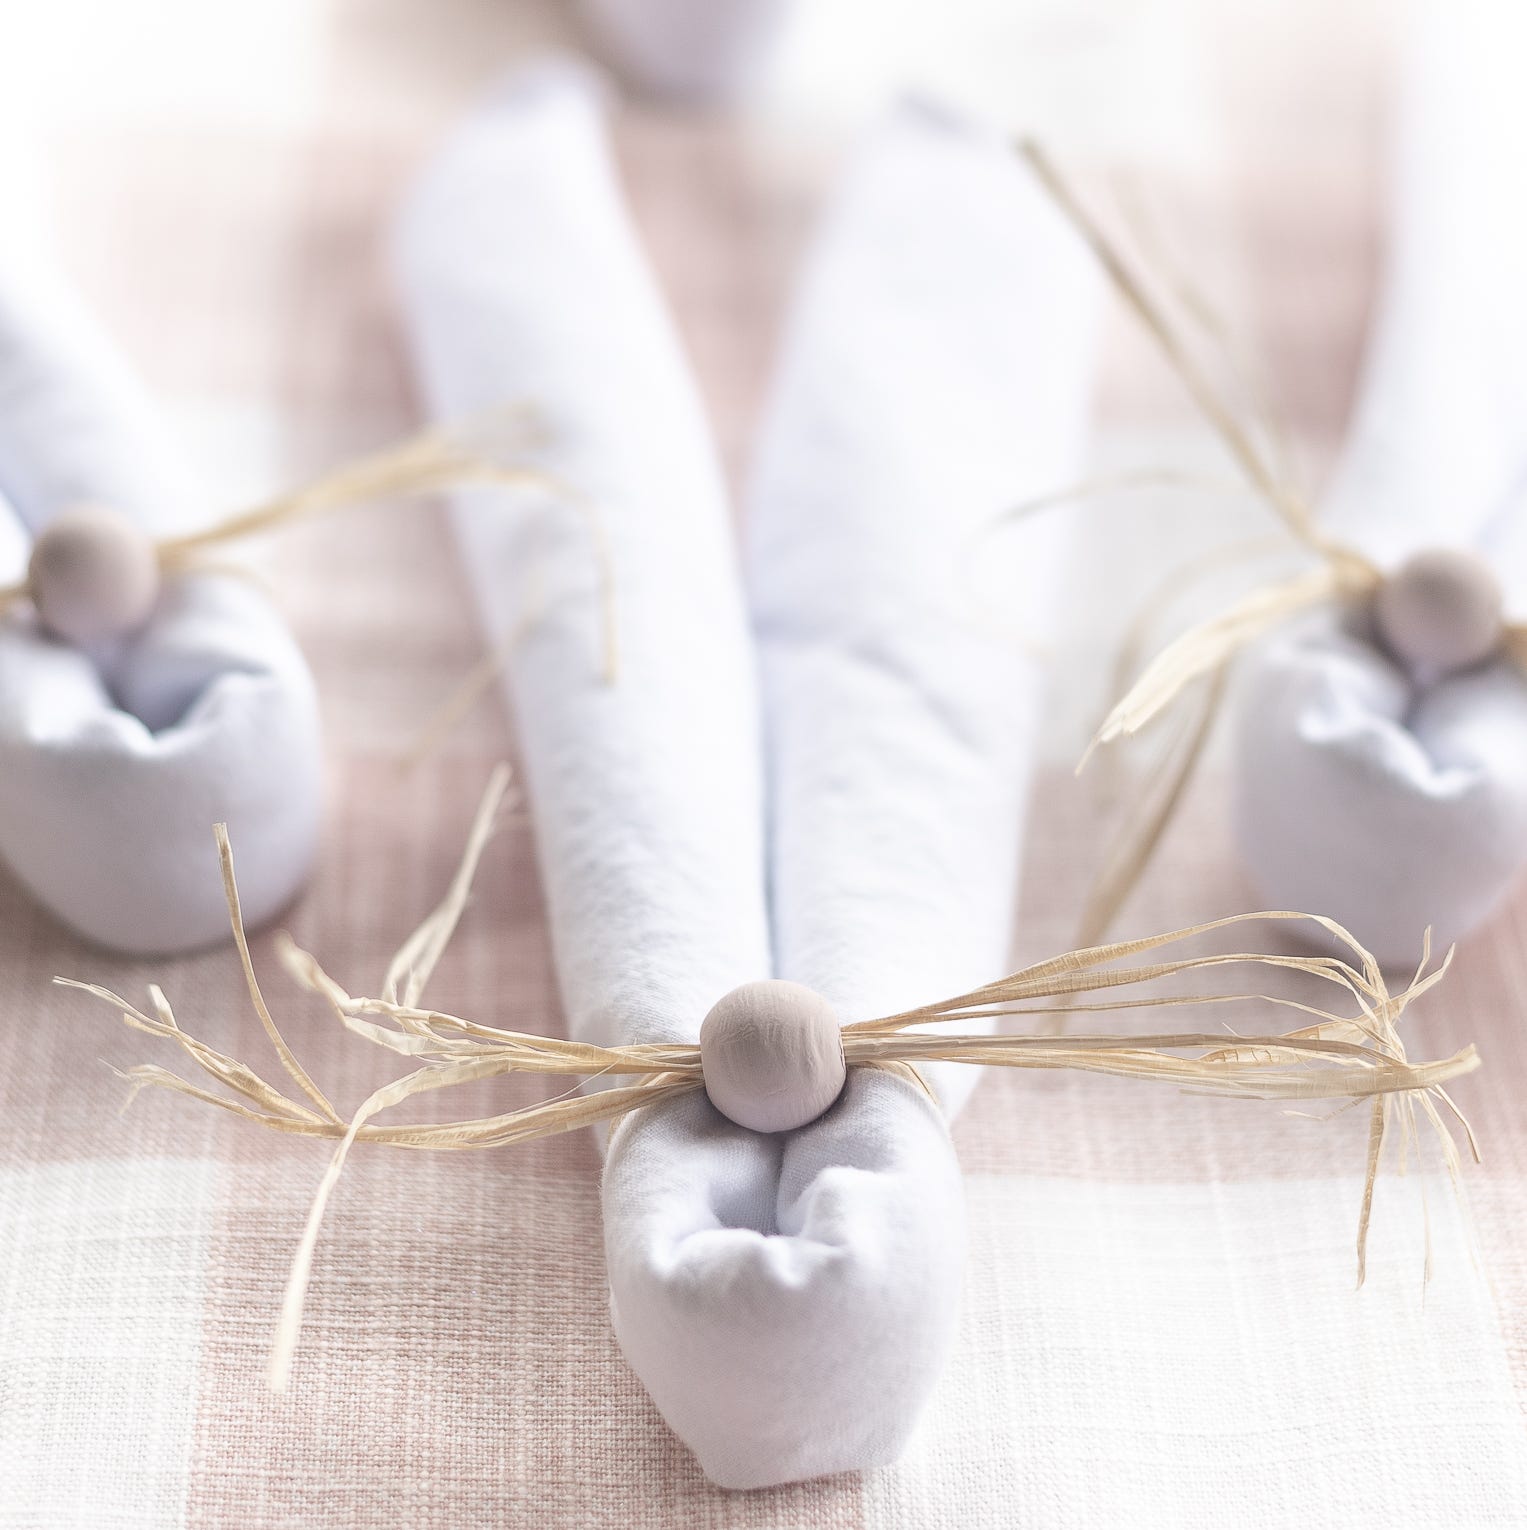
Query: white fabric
(1386, 804)
(1387, 809)
(115, 764)
(786, 1300)
(935, 372)
(522, 281)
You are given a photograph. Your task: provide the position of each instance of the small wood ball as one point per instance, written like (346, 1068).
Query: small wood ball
(1441, 610)
(772, 1053)
(93, 574)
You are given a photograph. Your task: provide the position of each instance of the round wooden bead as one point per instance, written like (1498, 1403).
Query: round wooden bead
(93, 574)
(772, 1053)
(1441, 610)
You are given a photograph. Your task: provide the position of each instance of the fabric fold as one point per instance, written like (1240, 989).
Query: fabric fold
(115, 763)
(1388, 803)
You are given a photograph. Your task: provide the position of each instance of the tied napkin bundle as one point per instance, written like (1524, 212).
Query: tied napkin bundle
(115, 755)
(754, 1278)
(1378, 776)
(787, 1297)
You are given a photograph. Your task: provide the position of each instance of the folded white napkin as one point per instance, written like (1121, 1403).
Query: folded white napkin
(1387, 804)
(115, 763)
(787, 1300)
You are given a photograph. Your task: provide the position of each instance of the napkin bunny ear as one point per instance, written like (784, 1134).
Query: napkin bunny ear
(113, 761)
(1390, 804)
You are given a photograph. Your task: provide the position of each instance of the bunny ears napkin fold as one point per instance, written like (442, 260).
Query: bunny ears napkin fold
(521, 277)
(786, 1296)
(937, 364)
(1389, 800)
(114, 759)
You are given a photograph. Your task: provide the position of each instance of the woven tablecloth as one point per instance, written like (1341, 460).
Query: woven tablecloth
(223, 176)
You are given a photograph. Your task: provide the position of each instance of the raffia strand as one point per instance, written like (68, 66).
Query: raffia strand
(1201, 656)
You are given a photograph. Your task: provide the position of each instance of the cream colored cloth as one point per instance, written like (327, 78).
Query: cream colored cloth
(787, 1301)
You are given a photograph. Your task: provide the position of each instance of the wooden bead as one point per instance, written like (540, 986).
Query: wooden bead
(1441, 610)
(772, 1053)
(93, 574)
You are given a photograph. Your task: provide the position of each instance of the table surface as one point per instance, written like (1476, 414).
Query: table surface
(222, 177)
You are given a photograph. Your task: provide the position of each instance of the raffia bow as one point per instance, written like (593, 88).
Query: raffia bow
(1334, 1056)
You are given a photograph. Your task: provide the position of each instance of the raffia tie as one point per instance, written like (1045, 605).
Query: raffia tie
(1340, 573)
(1355, 1056)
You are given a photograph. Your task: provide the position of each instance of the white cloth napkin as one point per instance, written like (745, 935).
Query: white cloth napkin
(522, 280)
(786, 1300)
(935, 372)
(1388, 805)
(115, 764)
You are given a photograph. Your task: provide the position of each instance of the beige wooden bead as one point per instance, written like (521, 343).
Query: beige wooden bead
(772, 1052)
(1441, 610)
(93, 574)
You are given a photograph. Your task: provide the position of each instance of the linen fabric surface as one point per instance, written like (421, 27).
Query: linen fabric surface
(1160, 1325)
(753, 1278)
(1389, 802)
(116, 762)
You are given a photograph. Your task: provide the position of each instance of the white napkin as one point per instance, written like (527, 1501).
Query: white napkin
(1387, 805)
(786, 1300)
(115, 764)
(689, 49)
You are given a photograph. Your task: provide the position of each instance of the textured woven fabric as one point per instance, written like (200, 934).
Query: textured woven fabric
(1158, 1324)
